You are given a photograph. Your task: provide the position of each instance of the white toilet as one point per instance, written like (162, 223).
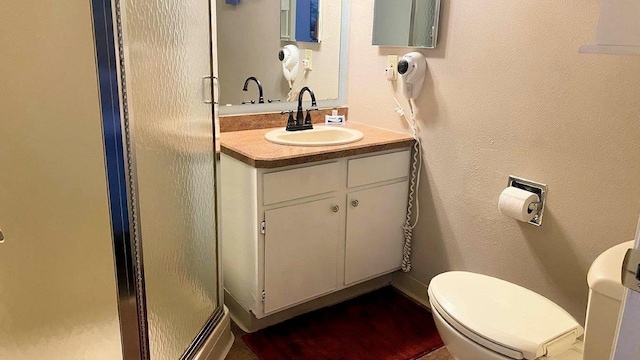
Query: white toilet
(483, 318)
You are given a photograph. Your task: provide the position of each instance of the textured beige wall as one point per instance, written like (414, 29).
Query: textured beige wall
(507, 93)
(58, 295)
(248, 45)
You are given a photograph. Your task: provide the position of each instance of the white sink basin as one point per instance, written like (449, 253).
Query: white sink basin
(318, 136)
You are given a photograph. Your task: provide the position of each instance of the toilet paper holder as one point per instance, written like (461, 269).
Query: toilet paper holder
(536, 188)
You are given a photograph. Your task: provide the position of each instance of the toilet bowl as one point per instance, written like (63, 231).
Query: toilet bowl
(484, 318)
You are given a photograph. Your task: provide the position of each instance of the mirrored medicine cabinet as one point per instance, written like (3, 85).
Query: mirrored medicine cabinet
(406, 23)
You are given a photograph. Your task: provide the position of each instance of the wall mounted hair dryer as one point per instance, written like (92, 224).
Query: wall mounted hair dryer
(290, 58)
(412, 68)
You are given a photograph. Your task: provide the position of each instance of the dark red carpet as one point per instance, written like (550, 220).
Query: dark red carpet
(382, 325)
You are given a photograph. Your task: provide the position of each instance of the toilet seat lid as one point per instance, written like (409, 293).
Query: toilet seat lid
(507, 315)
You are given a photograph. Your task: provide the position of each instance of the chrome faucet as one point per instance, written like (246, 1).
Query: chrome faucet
(246, 84)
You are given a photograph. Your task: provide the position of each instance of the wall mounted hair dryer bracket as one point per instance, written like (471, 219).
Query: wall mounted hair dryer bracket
(536, 188)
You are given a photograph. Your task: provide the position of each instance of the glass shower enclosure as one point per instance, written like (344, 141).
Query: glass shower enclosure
(166, 73)
(108, 216)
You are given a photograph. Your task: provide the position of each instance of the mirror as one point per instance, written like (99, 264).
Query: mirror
(406, 23)
(300, 20)
(252, 54)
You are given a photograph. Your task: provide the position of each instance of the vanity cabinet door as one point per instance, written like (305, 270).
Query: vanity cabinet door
(301, 252)
(375, 238)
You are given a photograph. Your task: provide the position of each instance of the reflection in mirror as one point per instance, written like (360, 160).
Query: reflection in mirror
(250, 46)
(300, 20)
(412, 23)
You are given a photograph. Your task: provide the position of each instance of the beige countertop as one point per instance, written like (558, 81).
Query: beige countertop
(250, 146)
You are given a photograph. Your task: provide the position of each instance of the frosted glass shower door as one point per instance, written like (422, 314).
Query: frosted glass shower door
(167, 78)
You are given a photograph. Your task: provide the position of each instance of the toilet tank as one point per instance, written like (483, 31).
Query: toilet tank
(605, 297)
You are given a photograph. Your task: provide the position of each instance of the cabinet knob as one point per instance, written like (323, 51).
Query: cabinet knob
(355, 203)
(1, 236)
(335, 208)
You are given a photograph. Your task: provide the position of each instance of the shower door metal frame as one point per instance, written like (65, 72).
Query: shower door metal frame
(120, 167)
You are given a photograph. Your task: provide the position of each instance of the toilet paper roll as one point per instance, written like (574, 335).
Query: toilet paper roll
(514, 202)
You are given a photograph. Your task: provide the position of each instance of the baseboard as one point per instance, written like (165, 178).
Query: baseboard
(411, 287)
(219, 343)
(249, 323)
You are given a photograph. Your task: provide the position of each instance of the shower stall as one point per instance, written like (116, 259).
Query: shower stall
(108, 197)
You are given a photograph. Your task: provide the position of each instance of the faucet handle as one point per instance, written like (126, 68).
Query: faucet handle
(307, 119)
(248, 102)
(273, 101)
(291, 122)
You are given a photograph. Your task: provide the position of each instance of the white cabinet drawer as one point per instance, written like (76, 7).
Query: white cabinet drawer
(378, 168)
(298, 183)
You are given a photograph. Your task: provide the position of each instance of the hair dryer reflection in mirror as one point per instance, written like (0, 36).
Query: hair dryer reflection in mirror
(290, 58)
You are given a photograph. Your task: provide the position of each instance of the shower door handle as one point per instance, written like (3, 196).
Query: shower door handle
(216, 90)
(207, 90)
